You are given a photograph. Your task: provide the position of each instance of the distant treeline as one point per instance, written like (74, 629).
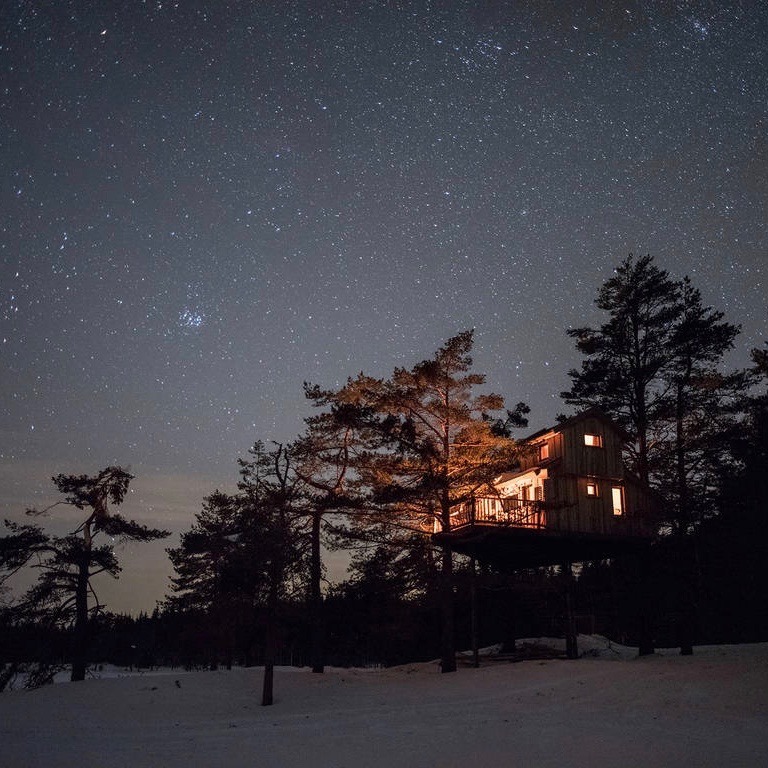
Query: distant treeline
(369, 622)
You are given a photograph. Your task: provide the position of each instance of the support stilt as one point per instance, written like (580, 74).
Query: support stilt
(473, 612)
(571, 645)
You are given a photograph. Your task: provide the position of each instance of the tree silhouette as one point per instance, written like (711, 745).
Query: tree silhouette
(626, 357)
(324, 459)
(431, 443)
(735, 544)
(18, 547)
(703, 408)
(654, 367)
(61, 594)
(274, 503)
(217, 583)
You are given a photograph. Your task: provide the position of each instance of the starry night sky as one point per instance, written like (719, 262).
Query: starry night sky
(205, 204)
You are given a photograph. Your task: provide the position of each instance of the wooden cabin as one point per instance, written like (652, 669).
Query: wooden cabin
(570, 500)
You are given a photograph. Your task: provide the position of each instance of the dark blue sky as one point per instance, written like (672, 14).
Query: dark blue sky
(205, 204)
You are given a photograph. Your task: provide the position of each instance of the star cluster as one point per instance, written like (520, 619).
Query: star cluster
(207, 204)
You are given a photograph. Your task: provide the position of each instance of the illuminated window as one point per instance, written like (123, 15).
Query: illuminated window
(543, 451)
(618, 501)
(591, 488)
(596, 441)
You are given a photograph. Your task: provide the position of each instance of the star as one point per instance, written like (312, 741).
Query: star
(211, 206)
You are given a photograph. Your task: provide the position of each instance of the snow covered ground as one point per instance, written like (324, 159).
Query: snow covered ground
(606, 709)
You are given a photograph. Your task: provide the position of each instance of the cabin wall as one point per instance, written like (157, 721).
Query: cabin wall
(642, 507)
(561, 480)
(554, 443)
(581, 459)
(570, 506)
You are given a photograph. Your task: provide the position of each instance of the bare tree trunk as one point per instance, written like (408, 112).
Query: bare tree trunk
(685, 577)
(686, 615)
(270, 647)
(639, 395)
(474, 611)
(80, 634)
(448, 641)
(571, 646)
(316, 599)
(268, 685)
(643, 571)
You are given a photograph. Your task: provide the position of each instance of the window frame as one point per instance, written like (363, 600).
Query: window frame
(618, 490)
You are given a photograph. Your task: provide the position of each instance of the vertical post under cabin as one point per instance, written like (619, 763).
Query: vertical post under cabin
(571, 646)
(473, 612)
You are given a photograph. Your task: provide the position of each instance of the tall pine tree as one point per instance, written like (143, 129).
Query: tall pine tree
(703, 404)
(65, 585)
(702, 414)
(324, 459)
(432, 443)
(274, 501)
(655, 367)
(626, 358)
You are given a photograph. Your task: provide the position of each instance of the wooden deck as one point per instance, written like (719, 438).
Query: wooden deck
(514, 534)
(499, 512)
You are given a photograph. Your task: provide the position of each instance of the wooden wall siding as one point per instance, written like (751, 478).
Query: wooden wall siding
(580, 459)
(555, 451)
(640, 508)
(556, 446)
(570, 509)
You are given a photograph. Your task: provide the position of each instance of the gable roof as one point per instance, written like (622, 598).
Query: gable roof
(590, 413)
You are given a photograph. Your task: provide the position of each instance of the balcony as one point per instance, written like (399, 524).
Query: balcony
(516, 533)
(503, 512)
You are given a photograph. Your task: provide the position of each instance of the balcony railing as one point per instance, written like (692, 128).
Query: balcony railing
(518, 513)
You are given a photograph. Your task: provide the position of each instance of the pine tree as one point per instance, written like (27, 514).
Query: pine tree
(274, 501)
(217, 583)
(204, 557)
(324, 456)
(62, 591)
(703, 406)
(18, 547)
(247, 552)
(735, 544)
(627, 356)
(431, 443)
(655, 367)
(702, 410)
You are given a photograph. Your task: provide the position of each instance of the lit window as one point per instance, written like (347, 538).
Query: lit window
(543, 451)
(618, 501)
(591, 488)
(596, 441)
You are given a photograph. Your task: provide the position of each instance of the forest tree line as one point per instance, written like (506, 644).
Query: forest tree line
(379, 466)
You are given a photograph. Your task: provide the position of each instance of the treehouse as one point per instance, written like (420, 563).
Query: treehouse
(570, 500)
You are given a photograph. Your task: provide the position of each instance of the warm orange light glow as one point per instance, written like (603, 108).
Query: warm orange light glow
(591, 488)
(543, 451)
(596, 441)
(618, 501)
